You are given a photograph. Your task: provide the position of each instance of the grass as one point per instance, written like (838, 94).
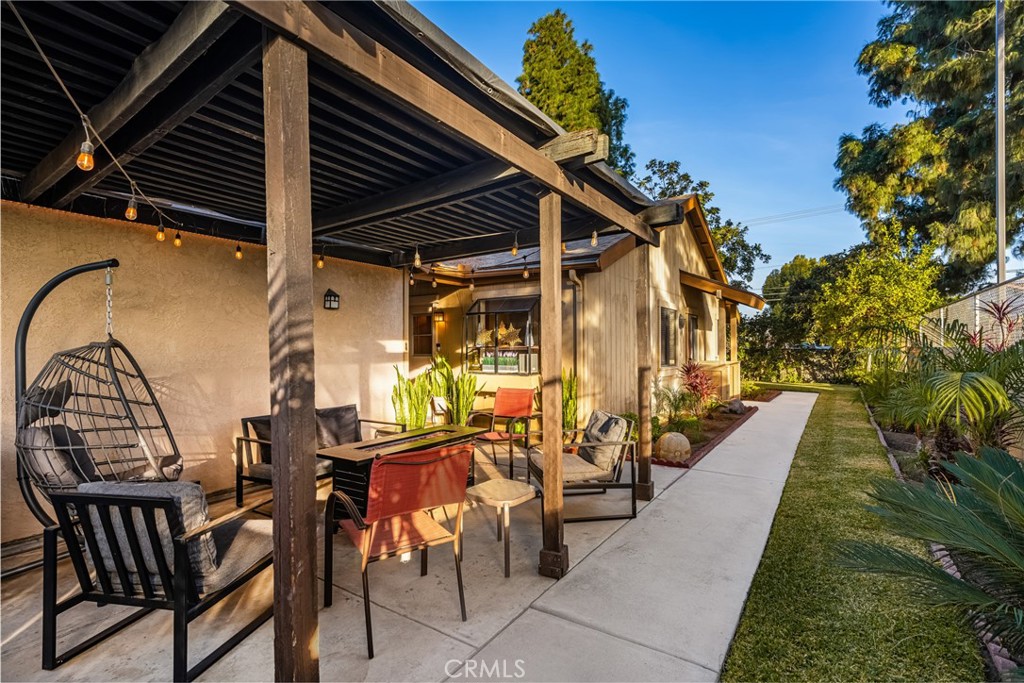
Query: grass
(808, 619)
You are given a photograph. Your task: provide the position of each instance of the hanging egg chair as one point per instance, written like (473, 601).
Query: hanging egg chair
(90, 415)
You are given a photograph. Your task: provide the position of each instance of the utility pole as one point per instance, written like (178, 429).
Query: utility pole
(1000, 141)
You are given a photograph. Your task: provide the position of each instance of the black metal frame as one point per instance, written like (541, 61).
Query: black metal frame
(582, 488)
(357, 519)
(512, 437)
(246, 455)
(177, 589)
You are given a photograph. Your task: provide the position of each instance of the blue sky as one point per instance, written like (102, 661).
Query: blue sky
(751, 96)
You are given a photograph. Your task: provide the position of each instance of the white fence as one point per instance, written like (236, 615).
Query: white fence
(971, 311)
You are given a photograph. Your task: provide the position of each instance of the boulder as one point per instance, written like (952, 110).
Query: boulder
(735, 407)
(673, 447)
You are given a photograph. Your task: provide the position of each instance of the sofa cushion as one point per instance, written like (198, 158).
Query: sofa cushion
(265, 471)
(574, 468)
(51, 455)
(189, 501)
(240, 544)
(603, 427)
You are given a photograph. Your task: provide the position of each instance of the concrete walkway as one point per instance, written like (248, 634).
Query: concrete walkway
(661, 597)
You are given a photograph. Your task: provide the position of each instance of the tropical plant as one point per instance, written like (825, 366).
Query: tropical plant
(976, 514)
(700, 393)
(670, 401)
(570, 399)
(411, 399)
(458, 391)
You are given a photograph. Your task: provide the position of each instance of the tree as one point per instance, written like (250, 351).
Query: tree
(665, 179)
(934, 176)
(560, 77)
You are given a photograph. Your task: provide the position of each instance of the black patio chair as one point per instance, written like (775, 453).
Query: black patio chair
(334, 426)
(166, 554)
(592, 461)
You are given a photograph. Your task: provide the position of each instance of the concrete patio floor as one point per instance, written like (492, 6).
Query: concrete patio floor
(655, 598)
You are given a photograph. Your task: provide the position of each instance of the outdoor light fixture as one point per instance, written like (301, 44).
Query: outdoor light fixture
(526, 271)
(433, 281)
(320, 261)
(593, 239)
(160, 236)
(132, 212)
(515, 244)
(332, 301)
(416, 261)
(238, 252)
(412, 280)
(85, 159)
(177, 239)
(438, 316)
(472, 282)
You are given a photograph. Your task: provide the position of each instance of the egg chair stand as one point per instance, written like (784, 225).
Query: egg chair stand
(90, 414)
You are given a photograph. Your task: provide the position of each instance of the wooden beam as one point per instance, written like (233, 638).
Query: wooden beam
(354, 54)
(728, 292)
(194, 30)
(554, 556)
(237, 51)
(293, 421)
(489, 175)
(644, 481)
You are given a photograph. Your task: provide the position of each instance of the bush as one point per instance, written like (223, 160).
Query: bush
(700, 393)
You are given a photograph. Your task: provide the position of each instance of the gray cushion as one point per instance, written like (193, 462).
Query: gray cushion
(55, 455)
(190, 502)
(574, 468)
(240, 544)
(336, 426)
(40, 402)
(260, 427)
(603, 427)
(265, 471)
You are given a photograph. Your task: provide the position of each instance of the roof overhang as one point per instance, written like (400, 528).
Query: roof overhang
(723, 290)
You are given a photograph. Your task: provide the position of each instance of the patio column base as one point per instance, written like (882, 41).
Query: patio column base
(645, 490)
(553, 563)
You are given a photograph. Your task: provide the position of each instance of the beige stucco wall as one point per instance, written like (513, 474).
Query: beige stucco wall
(196, 320)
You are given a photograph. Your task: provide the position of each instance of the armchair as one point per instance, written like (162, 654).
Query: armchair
(511, 407)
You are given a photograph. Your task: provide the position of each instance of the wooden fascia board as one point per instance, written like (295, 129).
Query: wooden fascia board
(348, 50)
(728, 292)
(194, 30)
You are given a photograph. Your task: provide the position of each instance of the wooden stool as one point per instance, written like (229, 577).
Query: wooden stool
(502, 494)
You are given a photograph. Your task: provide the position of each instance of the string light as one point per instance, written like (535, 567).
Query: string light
(412, 280)
(320, 261)
(132, 212)
(433, 281)
(160, 236)
(416, 261)
(177, 239)
(563, 247)
(238, 252)
(472, 282)
(515, 244)
(85, 160)
(526, 271)
(593, 239)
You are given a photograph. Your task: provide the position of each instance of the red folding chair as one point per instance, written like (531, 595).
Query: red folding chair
(403, 487)
(513, 406)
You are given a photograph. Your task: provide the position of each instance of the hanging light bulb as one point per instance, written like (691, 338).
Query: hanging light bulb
(526, 271)
(320, 262)
(515, 244)
(416, 261)
(85, 160)
(177, 239)
(433, 281)
(132, 212)
(238, 252)
(412, 281)
(472, 282)
(563, 247)
(593, 239)
(160, 236)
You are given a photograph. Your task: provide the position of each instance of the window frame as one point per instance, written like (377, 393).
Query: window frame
(692, 341)
(413, 335)
(672, 344)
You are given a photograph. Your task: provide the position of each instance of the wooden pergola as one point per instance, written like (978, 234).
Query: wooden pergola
(358, 130)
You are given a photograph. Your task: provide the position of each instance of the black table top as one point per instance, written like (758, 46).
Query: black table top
(402, 442)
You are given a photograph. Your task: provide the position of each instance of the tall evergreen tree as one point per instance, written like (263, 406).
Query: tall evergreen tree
(560, 77)
(935, 175)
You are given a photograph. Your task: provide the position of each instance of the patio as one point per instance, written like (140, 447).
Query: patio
(646, 599)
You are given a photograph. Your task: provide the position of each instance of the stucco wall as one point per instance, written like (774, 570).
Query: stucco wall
(196, 320)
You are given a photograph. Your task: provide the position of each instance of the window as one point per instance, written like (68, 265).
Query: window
(692, 337)
(503, 336)
(422, 334)
(669, 336)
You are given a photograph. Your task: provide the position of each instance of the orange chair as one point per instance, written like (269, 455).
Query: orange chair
(513, 406)
(402, 488)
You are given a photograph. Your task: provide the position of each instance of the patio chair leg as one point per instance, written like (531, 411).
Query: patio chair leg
(498, 515)
(504, 516)
(511, 458)
(366, 610)
(329, 552)
(180, 640)
(423, 562)
(50, 599)
(238, 491)
(458, 577)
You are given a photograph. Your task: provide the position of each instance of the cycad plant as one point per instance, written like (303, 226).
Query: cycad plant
(411, 399)
(976, 514)
(459, 392)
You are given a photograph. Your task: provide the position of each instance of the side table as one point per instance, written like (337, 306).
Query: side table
(502, 494)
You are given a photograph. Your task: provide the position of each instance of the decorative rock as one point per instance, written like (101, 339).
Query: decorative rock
(674, 447)
(735, 407)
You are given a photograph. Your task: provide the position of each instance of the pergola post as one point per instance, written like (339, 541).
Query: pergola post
(644, 481)
(290, 298)
(554, 556)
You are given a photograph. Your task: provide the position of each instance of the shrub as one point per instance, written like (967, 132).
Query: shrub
(700, 393)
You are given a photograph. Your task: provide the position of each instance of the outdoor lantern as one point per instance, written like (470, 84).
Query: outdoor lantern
(438, 316)
(332, 301)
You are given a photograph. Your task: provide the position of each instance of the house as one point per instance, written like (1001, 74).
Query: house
(480, 312)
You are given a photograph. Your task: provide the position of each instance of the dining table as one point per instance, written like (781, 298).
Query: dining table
(352, 461)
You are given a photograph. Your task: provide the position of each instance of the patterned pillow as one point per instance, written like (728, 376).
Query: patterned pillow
(603, 427)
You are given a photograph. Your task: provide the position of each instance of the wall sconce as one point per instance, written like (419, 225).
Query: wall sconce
(332, 301)
(438, 316)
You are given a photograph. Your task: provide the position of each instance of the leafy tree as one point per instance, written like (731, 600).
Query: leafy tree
(665, 179)
(560, 77)
(934, 176)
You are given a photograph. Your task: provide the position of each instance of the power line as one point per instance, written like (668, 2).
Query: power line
(795, 215)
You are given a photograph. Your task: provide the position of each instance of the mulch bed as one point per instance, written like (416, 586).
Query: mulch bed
(764, 396)
(718, 427)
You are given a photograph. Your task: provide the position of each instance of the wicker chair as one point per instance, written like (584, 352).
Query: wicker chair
(403, 487)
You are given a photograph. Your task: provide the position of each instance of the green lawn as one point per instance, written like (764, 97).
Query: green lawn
(807, 619)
